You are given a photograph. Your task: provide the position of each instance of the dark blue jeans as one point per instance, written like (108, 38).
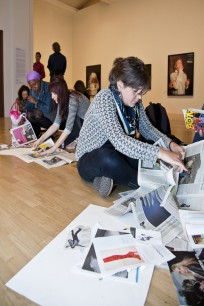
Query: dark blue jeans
(107, 161)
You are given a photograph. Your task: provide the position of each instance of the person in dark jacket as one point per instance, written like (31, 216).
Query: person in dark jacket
(57, 62)
(39, 107)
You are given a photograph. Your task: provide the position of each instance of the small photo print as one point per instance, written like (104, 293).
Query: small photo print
(52, 161)
(79, 236)
(198, 239)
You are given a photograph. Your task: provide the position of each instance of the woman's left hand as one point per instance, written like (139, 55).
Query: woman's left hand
(47, 152)
(174, 147)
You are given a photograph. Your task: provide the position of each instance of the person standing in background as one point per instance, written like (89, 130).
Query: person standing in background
(38, 66)
(57, 62)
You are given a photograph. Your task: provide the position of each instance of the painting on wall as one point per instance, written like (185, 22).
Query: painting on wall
(180, 74)
(149, 71)
(93, 79)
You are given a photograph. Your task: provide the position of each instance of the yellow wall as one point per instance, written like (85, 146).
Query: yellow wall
(149, 29)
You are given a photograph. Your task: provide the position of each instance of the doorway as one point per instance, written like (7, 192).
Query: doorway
(1, 77)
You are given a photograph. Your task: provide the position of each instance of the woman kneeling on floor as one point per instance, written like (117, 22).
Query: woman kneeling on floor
(71, 109)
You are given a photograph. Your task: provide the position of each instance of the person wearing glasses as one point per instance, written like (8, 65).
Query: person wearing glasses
(107, 147)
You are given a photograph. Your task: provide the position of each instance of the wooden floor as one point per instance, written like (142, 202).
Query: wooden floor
(35, 205)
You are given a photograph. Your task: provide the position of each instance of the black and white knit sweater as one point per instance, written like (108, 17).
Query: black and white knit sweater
(101, 124)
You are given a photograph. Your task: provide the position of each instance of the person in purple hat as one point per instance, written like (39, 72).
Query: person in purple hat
(40, 109)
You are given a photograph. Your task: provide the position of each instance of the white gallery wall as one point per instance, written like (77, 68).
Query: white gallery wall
(16, 21)
(149, 29)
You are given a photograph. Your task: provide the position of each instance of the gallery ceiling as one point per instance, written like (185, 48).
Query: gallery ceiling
(81, 4)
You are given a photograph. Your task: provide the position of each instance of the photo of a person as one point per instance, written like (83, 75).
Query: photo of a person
(198, 239)
(93, 84)
(93, 80)
(189, 266)
(52, 161)
(180, 74)
(188, 278)
(192, 164)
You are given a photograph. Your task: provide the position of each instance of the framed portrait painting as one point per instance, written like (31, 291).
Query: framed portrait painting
(148, 68)
(93, 79)
(180, 74)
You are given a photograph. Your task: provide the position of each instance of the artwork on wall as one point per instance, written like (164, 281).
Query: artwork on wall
(180, 74)
(149, 71)
(93, 79)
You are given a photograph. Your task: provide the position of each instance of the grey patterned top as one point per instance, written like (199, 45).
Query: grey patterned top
(78, 105)
(101, 124)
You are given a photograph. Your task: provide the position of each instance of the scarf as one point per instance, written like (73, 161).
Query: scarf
(128, 116)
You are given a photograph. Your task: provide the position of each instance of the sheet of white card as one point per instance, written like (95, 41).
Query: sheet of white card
(49, 280)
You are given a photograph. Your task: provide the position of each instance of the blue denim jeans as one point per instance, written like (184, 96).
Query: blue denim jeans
(107, 161)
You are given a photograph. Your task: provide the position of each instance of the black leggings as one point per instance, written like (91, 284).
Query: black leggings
(107, 161)
(38, 120)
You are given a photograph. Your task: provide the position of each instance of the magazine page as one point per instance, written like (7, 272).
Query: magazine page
(179, 244)
(13, 151)
(155, 176)
(89, 263)
(195, 233)
(3, 146)
(68, 157)
(190, 217)
(31, 154)
(46, 145)
(122, 252)
(188, 277)
(170, 204)
(194, 119)
(23, 134)
(195, 202)
(191, 182)
(123, 205)
(146, 236)
(149, 213)
(50, 161)
(60, 158)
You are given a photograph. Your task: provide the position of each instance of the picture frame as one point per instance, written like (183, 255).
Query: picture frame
(148, 68)
(93, 79)
(180, 74)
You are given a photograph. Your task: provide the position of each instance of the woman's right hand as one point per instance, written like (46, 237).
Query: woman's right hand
(173, 158)
(36, 143)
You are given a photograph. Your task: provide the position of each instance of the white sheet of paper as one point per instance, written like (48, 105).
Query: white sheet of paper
(195, 234)
(48, 279)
